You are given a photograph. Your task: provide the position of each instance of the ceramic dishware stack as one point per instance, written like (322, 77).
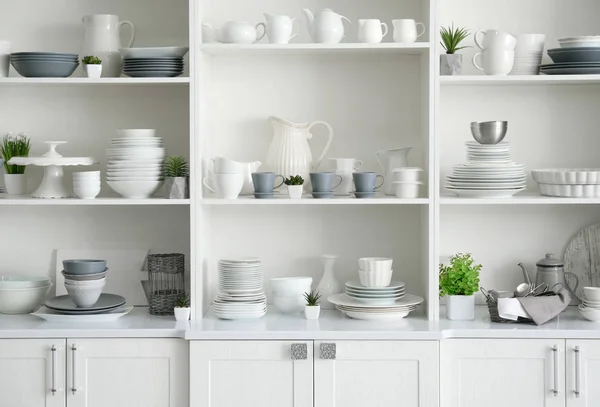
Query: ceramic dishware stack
(590, 304)
(84, 280)
(375, 272)
(241, 294)
(219, 164)
(365, 184)
(407, 182)
(568, 182)
(22, 295)
(44, 64)
(86, 184)
(376, 295)
(498, 52)
(226, 178)
(528, 54)
(324, 184)
(576, 56)
(153, 62)
(135, 160)
(288, 293)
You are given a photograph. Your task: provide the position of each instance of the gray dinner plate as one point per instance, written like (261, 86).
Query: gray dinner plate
(151, 67)
(106, 301)
(574, 55)
(55, 54)
(571, 65)
(84, 311)
(152, 59)
(153, 74)
(571, 71)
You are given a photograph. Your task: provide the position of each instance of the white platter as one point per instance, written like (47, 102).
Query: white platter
(392, 316)
(344, 300)
(474, 193)
(154, 52)
(53, 316)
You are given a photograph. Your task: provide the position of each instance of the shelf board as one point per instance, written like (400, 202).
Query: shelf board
(299, 49)
(99, 81)
(519, 199)
(308, 200)
(518, 80)
(100, 201)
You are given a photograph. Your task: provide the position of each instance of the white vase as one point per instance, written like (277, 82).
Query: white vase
(15, 184)
(295, 191)
(312, 311)
(460, 307)
(93, 71)
(328, 284)
(182, 314)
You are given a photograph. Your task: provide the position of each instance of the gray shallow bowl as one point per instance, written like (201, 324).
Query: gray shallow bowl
(84, 266)
(489, 132)
(84, 277)
(45, 69)
(560, 55)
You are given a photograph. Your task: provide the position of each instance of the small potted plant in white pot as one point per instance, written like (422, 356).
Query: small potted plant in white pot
(451, 62)
(15, 182)
(312, 309)
(176, 173)
(182, 308)
(92, 65)
(459, 282)
(295, 185)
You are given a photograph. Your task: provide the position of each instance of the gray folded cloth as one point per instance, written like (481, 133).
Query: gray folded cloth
(543, 309)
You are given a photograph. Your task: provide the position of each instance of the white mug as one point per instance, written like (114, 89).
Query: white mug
(4, 58)
(371, 31)
(493, 39)
(405, 30)
(529, 43)
(495, 62)
(226, 186)
(222, 165)
(280, 28)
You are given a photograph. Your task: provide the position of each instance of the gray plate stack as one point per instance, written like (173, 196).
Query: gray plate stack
(576, 56)
(44, 64)
(153, 67)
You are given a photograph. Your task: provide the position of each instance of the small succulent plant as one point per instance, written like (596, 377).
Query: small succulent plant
(294, 180)
(312, 298)
(176, 167)
(91, 60)
(182, 301)
(452, 37)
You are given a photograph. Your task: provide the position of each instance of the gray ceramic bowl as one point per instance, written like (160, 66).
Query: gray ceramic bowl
(560, 55)
(84, 277)
(45, 69)
(84, 266)
(489, 132)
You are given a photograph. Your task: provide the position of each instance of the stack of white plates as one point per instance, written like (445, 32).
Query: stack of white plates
(241, 294)
(361, 310)
(376, 295)
(488, 173)
(135, 160)
(527, 63)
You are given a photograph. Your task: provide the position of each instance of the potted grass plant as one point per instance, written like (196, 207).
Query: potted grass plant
(451, 62)
(176, 173)
(295, 185)
(312, 309)
(459, 281)
(92, 65)
(15, 182)
(182, 308)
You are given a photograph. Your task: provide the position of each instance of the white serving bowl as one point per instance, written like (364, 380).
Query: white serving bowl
(375, 263)
(589, 314)
(85, 296)
(136, 133)
(85, 283)
(22, 300)
(86, 192)
(86, 174)
(591, 293)
(290, 286)
(410, 174)
(406, 189)
(134, 178)
(289, 305)
(23, 282)
(135, 189)
(380, 278)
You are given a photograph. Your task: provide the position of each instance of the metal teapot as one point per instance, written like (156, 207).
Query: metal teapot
(551, 272)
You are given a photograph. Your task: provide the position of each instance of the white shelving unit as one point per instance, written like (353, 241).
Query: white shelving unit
(95, 81)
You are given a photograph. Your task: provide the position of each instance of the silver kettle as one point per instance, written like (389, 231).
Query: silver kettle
(551, 272)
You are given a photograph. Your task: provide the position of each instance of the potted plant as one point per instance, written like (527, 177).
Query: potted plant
(182, 308)
(295, 185)
(92, 65)
(450, 62)
(14, 175)
(312, 309)
(459, 281)
(176, 172)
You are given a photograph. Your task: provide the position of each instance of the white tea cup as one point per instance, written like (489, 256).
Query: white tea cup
(226, 186)
(222, 165)
(405, 30)
(495, 62)
(371, 31)
(280, 28)
(4, 58)
(495, 40)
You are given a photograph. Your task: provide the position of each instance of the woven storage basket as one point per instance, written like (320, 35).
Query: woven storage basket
(492, 305)
(167, 281)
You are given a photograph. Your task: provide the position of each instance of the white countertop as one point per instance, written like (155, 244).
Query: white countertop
(275, 326)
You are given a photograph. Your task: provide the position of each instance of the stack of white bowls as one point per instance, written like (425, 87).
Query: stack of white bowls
(528, 54)
(288, 293)
(375, 271)
(407, 182)
(84, 280)
(22, 295)
(86, 184)
(135, 160)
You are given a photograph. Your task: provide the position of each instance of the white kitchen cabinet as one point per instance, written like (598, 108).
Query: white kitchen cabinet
(376, 374)
(251, 374)
(583, 373)
(500, 373)
(29, 371)
(127, 373)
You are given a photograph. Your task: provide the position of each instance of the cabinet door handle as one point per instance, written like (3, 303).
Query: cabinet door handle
(54, 350)
(74, 349)
(577, 353)
(299, 351)
(327, 351)
(555, 384)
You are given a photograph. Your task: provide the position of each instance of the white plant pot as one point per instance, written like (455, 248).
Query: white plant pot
(182, 314)
(93, 71)
(295, 191)
(312, 312)
(460, 307)
(15, 184)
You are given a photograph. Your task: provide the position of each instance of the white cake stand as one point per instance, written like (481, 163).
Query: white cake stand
(52, 185)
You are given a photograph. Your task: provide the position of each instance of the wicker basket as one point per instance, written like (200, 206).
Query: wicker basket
(167, 281)
(492, 305)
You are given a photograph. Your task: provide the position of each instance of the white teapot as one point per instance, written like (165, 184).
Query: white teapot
(236, 32)
(326, 26)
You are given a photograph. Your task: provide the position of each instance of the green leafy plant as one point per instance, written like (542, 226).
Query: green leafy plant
(312, 298)
(461, 277)
(176, 167)
(91, 60)
(182, 301)
(294, 180)
(452, 37)
(14, 146)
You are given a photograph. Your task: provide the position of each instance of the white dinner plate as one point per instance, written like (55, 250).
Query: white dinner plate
(55, 316)
(473, 193)
(394, 285)
(394, 316)
(344, 300)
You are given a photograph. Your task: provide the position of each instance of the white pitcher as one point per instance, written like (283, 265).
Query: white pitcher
(396, 158)
(289, 153)
(102, 39)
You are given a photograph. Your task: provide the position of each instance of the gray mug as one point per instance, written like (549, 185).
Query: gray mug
(323, 181)
(365, 181)
(264, 182)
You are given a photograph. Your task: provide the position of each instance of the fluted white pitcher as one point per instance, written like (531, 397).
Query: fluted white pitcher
(289, 153)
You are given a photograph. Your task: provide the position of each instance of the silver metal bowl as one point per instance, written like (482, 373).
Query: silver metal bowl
(489, 132)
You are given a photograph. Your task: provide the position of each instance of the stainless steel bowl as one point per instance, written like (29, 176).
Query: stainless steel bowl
(489, 132)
